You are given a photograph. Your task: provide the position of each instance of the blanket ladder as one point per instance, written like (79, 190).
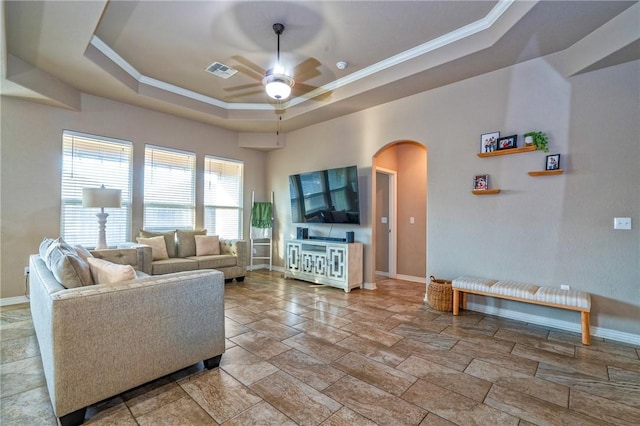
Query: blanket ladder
(261, 240)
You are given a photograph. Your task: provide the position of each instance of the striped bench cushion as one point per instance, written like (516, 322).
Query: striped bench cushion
(556, 296)
(576, 298)
(473, 283)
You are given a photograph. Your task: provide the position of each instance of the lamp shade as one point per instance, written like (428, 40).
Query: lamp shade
(100, 197)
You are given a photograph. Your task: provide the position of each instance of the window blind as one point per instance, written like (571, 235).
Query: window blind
(169, 189)
(223, 197)
(90, 161)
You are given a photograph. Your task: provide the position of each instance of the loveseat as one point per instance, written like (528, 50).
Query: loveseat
(97, 341)
(180, 250)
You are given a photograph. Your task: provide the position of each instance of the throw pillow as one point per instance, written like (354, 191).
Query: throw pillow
(44, 246)
(187, 242)
(105, 272)
(82, 252)
(158, 246)
(169, 240)
(66, 266)
(207, 245)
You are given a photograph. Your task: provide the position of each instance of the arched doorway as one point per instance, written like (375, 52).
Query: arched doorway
(399, 212)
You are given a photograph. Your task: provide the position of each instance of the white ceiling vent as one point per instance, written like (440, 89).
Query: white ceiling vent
(221, 70)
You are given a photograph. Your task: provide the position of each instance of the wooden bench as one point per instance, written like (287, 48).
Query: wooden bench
(547, 296)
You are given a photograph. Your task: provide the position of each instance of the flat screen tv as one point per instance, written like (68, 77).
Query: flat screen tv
(325, 196)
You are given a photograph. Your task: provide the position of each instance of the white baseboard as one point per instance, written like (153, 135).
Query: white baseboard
(605, 333)
(265, 266)
(369, 286)
(411, 278)
(8, 301)
(403, 277)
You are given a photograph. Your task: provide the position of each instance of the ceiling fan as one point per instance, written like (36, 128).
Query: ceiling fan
(278, 85)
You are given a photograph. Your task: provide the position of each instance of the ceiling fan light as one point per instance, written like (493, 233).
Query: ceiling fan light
(278, 86)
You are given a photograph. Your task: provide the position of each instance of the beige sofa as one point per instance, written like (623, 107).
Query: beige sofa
(97, 341)
(181, 250)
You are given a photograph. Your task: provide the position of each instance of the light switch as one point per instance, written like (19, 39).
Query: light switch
(621, 223)
(412, 220)
(384, 219)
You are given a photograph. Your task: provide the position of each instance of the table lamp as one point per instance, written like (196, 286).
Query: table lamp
(101, 197)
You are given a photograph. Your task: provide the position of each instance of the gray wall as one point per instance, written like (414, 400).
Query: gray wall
(31, 161)
(547, 230)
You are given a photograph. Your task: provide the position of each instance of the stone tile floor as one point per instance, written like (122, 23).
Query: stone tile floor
(299, 353)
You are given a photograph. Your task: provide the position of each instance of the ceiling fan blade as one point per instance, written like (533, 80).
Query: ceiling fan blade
(240, 95)
(250, 73)
(247, 63)
(305, 66)
(307, 75)
(242, 87)
(302, 90)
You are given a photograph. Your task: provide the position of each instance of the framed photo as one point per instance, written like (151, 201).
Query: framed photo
(553, 162)
(507, 142)
(489, 142)
(481, 182)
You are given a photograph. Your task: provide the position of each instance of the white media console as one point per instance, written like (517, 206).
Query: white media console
(333, 263)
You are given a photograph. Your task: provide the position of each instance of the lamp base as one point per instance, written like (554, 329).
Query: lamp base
(102, 234)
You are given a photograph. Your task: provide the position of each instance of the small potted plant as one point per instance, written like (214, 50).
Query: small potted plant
(539, 139)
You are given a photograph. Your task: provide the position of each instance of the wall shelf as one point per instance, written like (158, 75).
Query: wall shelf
(485, 191)
(546, 172)
(507, 151)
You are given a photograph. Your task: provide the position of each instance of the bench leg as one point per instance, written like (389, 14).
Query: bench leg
(586, 336)
(456, 301)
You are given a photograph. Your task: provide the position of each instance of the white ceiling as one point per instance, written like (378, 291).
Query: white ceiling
(153, 53)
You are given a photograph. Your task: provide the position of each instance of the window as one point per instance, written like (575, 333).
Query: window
(88, 162)
(223, 197)
(169, 189)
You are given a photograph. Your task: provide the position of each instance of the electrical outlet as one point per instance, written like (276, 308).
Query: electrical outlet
(622, 223)
(26, 271)
(565, 287)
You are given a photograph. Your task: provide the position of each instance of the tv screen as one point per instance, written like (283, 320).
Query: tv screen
(325, 196)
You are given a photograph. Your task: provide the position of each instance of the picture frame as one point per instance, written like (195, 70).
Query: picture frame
(553, 162)
(480, 182)
(508, 142)
(489, 141)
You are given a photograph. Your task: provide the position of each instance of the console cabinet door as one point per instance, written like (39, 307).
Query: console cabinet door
(337, 259)
(293, 257)
(320, 265)
(307, 262)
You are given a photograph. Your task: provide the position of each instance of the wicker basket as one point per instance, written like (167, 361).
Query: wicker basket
(440, 295)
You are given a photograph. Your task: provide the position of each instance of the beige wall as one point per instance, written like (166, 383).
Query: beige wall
(412, 203)
(31, 167)
(548, 230)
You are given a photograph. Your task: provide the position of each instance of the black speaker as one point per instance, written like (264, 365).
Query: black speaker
(302, 233)
(350, 236)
